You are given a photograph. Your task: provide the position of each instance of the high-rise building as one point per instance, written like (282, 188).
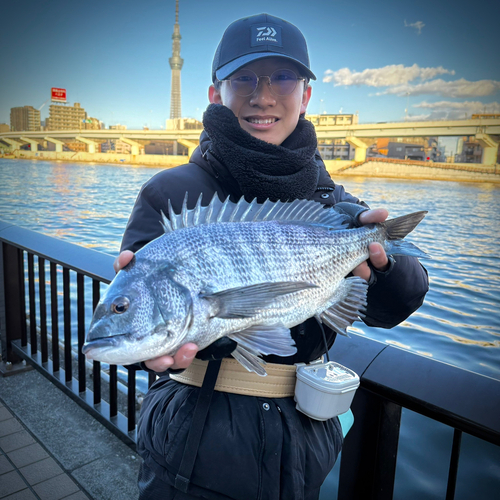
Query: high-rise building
(176, 63)
(24, 118)
(66, 117)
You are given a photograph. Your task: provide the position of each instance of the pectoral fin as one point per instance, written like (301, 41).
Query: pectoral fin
(246, 301)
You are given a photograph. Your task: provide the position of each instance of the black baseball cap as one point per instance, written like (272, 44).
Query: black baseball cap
(258, 37)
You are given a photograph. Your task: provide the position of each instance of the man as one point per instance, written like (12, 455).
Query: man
(256, 144)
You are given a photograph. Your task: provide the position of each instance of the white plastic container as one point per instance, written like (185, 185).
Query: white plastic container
(324, 390)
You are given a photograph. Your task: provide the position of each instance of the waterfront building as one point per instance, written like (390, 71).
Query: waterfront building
(25, 118)
(93, 124)
(486, 116)
(335, 149)
(338, 119)
(116, 146)
(468, 150)
(66, 117)
(176, 63)
(183, 124)
(76, 146)
(407, 151)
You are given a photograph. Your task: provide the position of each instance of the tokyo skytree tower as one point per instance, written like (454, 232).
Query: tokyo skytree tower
(176, 65)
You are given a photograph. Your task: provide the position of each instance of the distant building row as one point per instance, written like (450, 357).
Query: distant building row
(27, 118)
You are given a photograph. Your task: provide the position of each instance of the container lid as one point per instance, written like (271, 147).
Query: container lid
(328, 376)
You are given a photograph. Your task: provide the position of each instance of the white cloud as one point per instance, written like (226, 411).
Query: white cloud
(418, 26)
(451, 110)
(457, 88)
(472, 106)
(394, 74)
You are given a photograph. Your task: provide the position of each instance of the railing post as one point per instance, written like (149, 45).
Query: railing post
(368, 465)
(12, 300)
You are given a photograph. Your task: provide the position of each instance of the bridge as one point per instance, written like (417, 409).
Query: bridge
(361, 135)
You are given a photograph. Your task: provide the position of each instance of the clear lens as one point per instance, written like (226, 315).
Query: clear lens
(283, 82)
(245, 82)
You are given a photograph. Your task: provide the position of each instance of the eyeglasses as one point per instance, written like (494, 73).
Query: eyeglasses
(245, 82)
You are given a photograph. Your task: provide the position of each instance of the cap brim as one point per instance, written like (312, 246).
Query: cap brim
(229, 68)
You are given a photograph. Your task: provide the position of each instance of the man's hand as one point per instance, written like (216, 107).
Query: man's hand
(182, 359)
(378, 258)
(184, 355)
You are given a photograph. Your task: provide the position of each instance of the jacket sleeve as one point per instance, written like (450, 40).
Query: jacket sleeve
(396, 293)
(144, 223)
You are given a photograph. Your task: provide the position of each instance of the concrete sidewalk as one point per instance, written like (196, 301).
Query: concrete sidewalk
(51, 449)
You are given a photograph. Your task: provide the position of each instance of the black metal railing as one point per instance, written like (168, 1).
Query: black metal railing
(391, 378)
(24, 257)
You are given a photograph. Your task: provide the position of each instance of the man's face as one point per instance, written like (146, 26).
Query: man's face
(263, 114)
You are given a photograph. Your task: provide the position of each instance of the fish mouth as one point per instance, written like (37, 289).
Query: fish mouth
(102, 342)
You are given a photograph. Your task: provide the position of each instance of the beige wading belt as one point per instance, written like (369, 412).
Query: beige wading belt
(234, 378)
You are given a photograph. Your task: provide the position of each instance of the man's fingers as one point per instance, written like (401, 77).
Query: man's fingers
(122, 260)
(373, 216)
(182, 359)
(363, 271)
(184, 356)
(378, 257)
(160, 364)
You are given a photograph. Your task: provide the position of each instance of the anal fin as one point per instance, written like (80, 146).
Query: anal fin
(262, 340)
(250, 361)
(344, 312)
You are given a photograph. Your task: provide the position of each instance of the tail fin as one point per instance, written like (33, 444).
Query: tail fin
(396, 229)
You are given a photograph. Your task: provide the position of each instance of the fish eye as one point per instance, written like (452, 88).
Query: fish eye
(120, 305)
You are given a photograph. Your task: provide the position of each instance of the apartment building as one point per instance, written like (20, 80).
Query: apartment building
(25, 118)
(66, 117)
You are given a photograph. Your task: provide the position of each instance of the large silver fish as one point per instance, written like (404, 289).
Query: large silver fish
(246, 271)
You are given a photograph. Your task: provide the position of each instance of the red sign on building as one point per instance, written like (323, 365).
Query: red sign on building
(58, 95)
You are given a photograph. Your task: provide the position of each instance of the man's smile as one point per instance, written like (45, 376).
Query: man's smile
(261, 120)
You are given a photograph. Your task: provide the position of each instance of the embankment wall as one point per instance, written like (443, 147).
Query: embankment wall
(80, 156)
(384, 169)
(407, 170)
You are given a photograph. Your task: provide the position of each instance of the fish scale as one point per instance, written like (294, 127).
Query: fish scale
(247, 271)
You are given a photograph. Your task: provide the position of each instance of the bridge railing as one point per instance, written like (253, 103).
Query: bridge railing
(48, 289)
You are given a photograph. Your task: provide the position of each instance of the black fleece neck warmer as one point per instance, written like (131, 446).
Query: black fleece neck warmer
(262, 170)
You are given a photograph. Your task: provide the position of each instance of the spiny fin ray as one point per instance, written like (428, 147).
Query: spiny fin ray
(300, 211)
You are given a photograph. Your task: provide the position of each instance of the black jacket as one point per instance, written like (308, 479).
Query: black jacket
(252, 447)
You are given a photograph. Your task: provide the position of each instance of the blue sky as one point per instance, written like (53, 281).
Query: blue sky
(374, 58)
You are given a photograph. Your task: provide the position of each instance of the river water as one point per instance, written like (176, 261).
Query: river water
(89, 204)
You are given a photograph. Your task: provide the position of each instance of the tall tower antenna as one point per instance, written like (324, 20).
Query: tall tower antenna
(176, 63)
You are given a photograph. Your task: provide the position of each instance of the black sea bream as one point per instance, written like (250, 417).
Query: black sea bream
(247, 271)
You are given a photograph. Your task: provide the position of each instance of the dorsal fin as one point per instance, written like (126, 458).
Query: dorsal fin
(299, 211)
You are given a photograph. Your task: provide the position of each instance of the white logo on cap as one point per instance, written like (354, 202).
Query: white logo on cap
(269, 31)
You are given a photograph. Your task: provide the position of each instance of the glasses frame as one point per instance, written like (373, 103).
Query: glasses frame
(298, 79)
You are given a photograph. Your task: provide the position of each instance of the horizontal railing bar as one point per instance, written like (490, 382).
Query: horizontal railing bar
(77, 258)
(118, 424)
(460, 398)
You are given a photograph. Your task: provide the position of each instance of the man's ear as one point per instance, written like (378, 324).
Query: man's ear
(306, 96)
(214, 95)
